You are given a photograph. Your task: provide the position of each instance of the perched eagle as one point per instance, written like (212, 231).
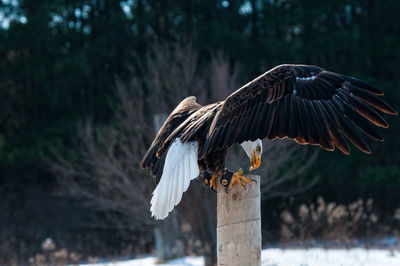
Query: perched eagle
(301, 102)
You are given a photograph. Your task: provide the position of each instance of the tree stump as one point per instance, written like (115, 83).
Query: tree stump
(239, 225)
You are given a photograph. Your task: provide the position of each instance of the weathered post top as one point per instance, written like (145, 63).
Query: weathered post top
(239, 225)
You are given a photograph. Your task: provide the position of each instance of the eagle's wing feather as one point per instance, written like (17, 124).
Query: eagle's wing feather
(194, 128)
(150, 161)
(153, 163)
(301, 102)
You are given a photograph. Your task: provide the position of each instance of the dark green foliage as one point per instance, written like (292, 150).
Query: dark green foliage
(381, 183)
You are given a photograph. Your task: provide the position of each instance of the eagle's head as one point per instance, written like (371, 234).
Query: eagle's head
(253, 149)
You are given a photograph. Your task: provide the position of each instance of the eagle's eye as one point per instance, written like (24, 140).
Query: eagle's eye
(258, 149)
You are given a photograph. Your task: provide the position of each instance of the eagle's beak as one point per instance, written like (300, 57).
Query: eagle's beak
(255, 161)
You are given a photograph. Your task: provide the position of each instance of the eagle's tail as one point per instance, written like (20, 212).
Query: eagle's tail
(179, 169)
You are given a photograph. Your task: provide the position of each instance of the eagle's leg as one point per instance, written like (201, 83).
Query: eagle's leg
(213, 183)
(206, 178)
(229, 179)
(210, 180)
(215, 164)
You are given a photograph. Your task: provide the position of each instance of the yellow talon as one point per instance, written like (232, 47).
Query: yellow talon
(213, 182)
(239, 178)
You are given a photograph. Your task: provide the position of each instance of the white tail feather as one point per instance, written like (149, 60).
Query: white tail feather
(180, 168)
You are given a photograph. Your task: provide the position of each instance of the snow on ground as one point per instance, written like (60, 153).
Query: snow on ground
(150, 261)
(291, 257)
(330, 257)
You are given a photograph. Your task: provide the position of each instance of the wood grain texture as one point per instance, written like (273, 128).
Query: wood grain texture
(239, 225)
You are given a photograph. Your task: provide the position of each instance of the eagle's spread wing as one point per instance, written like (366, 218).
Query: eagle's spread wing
(301, 102)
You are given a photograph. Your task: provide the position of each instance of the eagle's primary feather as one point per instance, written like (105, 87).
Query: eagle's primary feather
(303, 103)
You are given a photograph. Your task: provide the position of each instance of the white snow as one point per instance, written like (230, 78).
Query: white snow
(330, 257)
(150, 261)
(291, 257)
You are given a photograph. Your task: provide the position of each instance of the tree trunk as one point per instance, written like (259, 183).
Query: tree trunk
(239, 225)
(167, 235)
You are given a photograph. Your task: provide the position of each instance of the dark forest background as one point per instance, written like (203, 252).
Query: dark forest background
(84, 82)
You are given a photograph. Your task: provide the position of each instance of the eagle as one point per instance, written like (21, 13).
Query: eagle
(303, 103)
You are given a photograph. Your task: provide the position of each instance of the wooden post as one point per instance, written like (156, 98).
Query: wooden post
(239, 225)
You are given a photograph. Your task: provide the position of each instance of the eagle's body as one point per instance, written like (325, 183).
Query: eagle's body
(299, 102)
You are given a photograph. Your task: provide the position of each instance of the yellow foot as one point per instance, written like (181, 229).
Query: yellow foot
(239, 178)
(213, 183)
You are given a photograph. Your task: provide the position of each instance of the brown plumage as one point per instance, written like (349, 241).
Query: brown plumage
(301, 102)
(150, 160)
